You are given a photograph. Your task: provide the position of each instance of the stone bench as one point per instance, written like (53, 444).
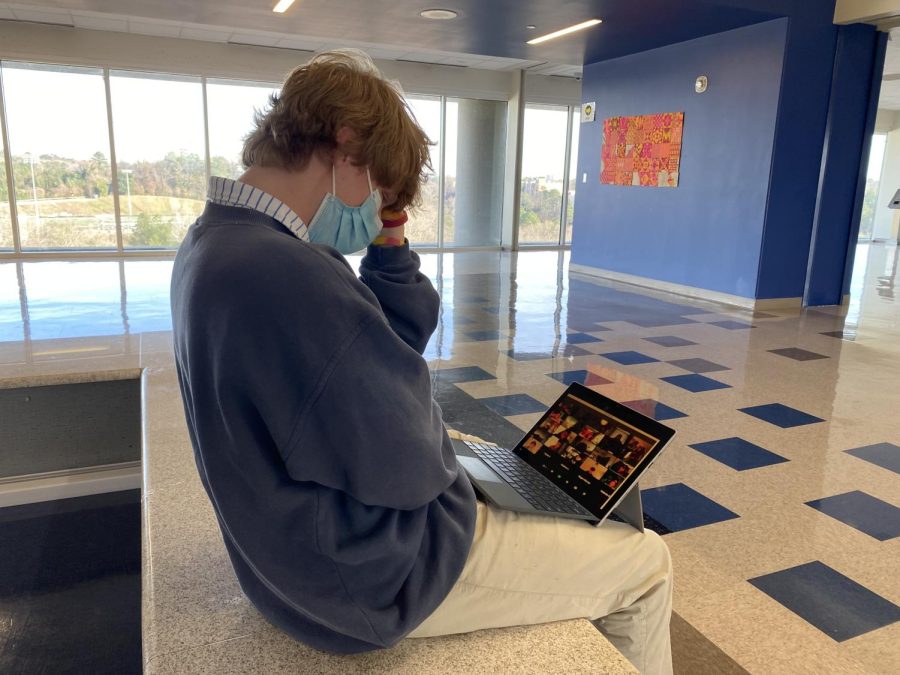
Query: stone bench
(197, 620)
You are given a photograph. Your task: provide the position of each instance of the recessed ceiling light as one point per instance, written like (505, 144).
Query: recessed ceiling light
(438, 14)
(531, 26)
(282, 6)
(565, 31)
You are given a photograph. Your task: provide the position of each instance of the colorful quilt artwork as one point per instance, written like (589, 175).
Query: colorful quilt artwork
(643, 150)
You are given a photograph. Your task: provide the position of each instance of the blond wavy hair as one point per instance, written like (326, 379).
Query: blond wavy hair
(336, 89)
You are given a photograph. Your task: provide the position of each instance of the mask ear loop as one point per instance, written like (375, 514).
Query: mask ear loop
(333, 182)
(369, 178)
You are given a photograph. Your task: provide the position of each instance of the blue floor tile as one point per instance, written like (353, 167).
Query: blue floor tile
(679, 507)
(465, 413)
(670, 341)
(584, 377)
(864, 512)
(569, 376)
(698, 365)
(528, 355)
(732, 325)
(580, 338)
(483, 335)
(833, 603)
(695, 383)
(629, 358)
(781, 415)
(464, 374)
(513, 404)
(885, 455)
(656, 322)
(654, 409)
(798, 354)
(739, 454)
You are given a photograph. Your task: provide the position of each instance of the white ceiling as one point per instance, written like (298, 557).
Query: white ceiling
(41, 13)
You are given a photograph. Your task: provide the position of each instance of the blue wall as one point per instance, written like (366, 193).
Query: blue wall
(858, 67)
(708, 231)
(796, 164)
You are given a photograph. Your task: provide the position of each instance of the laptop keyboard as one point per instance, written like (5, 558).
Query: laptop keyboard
(539, 491)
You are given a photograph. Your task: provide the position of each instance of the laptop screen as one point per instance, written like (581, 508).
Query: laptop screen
(590, 446)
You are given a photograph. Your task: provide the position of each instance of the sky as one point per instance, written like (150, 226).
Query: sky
(65, 114)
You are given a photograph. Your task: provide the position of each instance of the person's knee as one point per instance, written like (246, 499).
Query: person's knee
(657, 554)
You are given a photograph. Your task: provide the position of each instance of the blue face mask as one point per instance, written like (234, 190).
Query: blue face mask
(347, 228)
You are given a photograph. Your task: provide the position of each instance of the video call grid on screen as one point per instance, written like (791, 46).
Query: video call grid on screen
(586, 451)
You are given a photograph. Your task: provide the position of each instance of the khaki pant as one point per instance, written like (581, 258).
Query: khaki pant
(527, 569)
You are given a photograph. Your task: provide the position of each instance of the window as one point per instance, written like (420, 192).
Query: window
(68, 299)
(543, 165)
(6, 237)
(422, 227)
(60, 166)
(573, 174)
(62, 173)
(474, 169)
(231, 107)
(873, 180)
(147, 282)
(10, 310)
(161, 154)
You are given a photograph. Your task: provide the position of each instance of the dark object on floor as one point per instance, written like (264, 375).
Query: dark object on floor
(70, 585)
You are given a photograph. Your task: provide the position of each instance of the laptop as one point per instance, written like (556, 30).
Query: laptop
(582, 460)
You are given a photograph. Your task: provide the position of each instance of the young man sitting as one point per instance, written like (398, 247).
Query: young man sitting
(347, 519)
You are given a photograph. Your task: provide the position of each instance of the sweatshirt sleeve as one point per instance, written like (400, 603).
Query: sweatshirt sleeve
(407, 297)
(373, 430)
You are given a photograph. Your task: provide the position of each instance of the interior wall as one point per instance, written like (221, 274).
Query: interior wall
(706, 233)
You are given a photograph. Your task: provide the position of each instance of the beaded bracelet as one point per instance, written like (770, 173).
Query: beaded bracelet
(391, 219)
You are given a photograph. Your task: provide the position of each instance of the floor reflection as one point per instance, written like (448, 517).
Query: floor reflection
(526, 303)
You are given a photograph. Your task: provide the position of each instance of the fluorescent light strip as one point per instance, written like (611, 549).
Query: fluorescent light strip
(282, 6)
(564, 31)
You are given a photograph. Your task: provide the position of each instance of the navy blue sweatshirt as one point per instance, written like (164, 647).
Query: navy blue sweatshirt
(314, 430)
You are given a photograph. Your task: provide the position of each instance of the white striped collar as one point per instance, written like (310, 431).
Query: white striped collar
(235, 193)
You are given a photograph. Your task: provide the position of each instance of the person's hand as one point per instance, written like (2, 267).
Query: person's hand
(393, 230)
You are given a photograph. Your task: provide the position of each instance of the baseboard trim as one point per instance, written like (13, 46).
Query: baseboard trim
(19, 490)
(688, 291)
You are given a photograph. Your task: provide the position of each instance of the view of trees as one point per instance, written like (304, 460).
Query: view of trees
(66, 202)
(422, 225)
(867, 220)
(539, 211)
(6, 240)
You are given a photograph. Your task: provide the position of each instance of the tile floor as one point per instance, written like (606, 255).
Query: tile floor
(780, 495)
